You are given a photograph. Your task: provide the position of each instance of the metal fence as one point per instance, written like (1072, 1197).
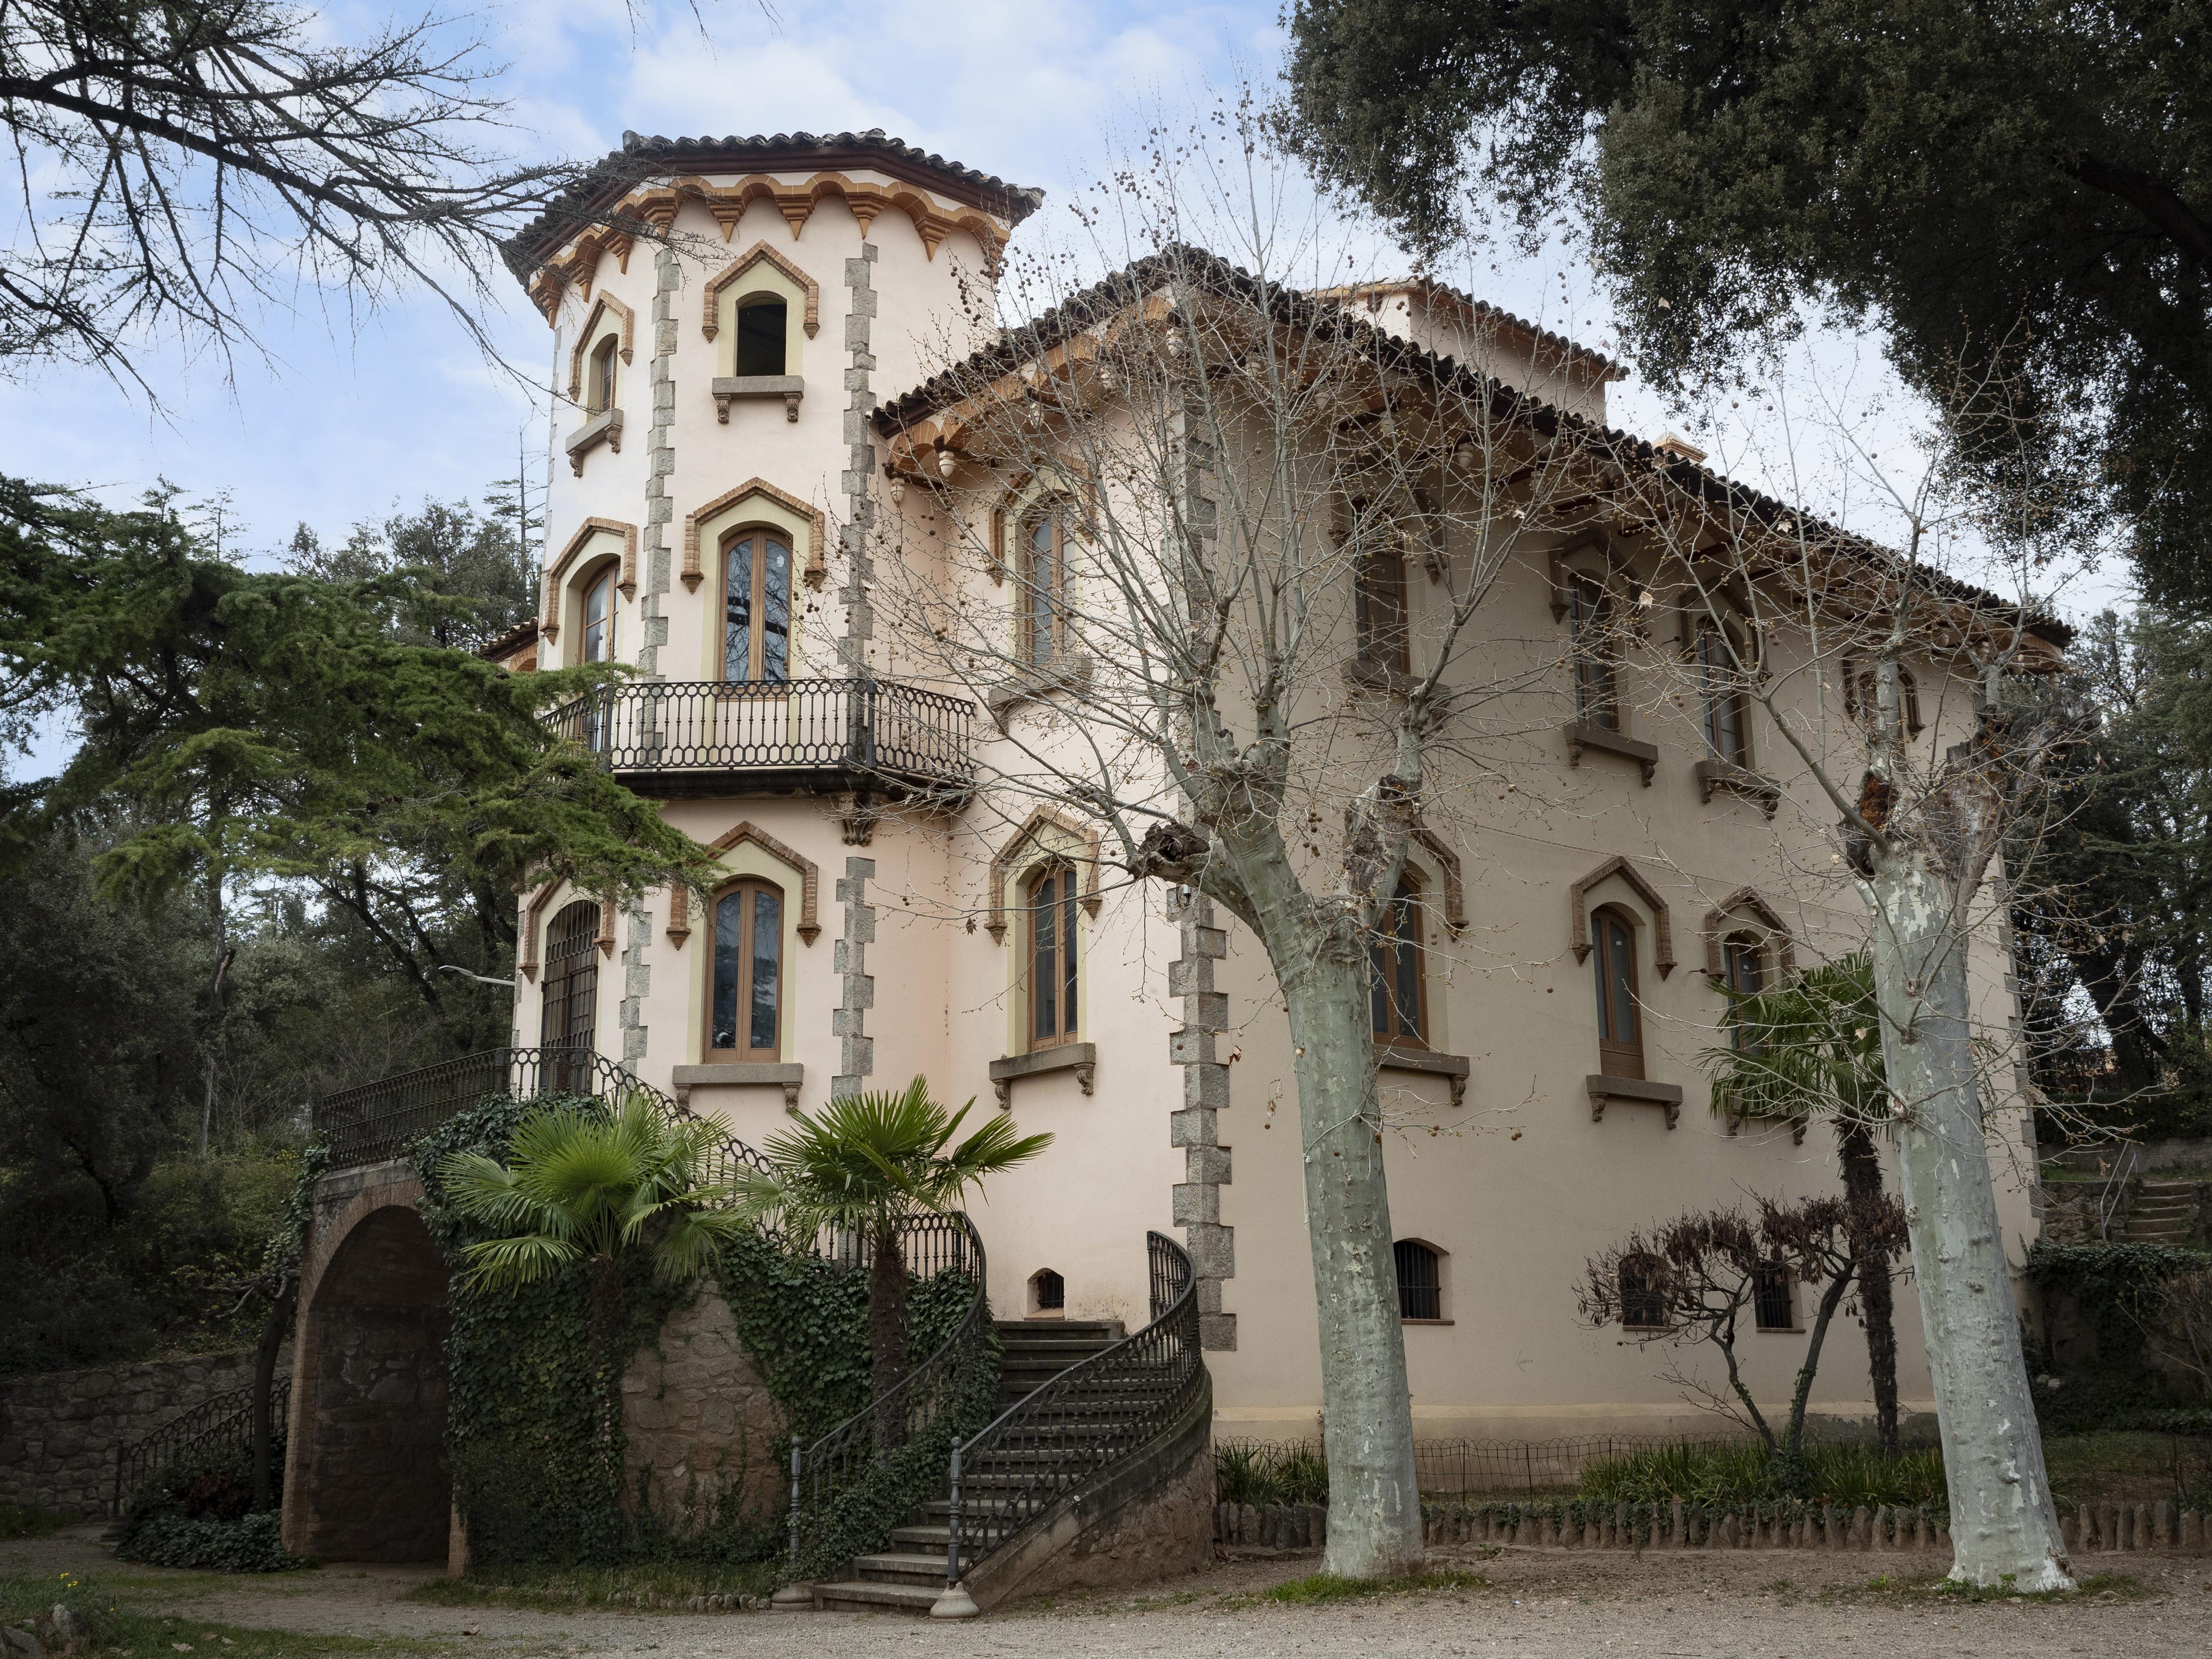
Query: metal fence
(1504, 1467)
(871, 727)
(222, 1422)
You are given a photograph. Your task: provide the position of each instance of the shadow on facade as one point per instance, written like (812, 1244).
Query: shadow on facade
(368, 1479)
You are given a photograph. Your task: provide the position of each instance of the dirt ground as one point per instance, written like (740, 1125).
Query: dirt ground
(1540, 1604)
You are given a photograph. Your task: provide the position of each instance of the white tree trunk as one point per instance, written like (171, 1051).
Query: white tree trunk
(1375, 1509)
(2003, 1528)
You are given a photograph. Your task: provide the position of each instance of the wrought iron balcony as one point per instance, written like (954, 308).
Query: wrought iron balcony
(715, 737)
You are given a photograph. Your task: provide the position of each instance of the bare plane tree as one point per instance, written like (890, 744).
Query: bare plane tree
(182, 166)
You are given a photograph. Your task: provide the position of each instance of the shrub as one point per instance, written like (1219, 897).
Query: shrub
(170, 1538)
(1848, 1475)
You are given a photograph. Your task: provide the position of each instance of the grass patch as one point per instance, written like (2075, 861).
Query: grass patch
(120, 1630)
(1322, 1587)
(1934, 1589)
(21, 1521)
(651, 1587)
(1849, 1476)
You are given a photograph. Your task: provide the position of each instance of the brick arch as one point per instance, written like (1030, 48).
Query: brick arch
(366, 1477)
(693, 572)
(710, 324)
(1663, 929)
(1721, 920)
(1086, 840)
(809, 874)
(606, 305)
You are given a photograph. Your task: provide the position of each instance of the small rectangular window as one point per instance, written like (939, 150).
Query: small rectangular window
(1772, 1303)
(761, 325)
(1642, 1294)
(1420, 1280)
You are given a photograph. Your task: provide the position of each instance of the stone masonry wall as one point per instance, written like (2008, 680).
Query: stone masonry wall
(697, 1414)
(60, 1431)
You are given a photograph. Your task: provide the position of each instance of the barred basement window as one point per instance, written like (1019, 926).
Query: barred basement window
(1420, 1280)
(1642, 1293)
(1773, 1302)
(1047, 1292)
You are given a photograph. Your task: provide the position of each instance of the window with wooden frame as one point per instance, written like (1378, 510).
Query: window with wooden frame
(1727, 732)
(1050, 971)
(1397, 990)
(1420, 1279)
(1379, 594)
(1743, 971)
(1642, 1293)
(596, 640)
(1620, 1017)
(1041, 588)
(568, 1004)
(600, 384)
(1596, 653)
(755, 607)
(761, 321)
(1863, 696)
(1773, 1298)
(745, 993)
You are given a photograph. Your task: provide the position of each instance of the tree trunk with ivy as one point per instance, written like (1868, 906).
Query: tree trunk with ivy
(1863, 1191)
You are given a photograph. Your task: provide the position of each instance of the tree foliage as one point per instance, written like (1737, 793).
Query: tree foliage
(2023, 190)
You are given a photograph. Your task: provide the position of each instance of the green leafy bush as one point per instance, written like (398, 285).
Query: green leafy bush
(1849, 1476)
(169, 1538)
(1244, 1473)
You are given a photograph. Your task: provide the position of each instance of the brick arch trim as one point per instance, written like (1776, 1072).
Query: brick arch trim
(550, 624)
(1662, 931)
(606, 305)
(809, 874)
(1447, 864)
(817, 522)
(1743, 902)
(1011, 852)
(710, 322)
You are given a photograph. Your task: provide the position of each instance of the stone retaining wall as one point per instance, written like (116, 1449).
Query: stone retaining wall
(60, 1431)
(2090, 1528)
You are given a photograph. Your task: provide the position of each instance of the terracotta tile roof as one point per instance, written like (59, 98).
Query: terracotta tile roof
(1482, 314)
(642, 159)
(506, 644)
(1032, 339)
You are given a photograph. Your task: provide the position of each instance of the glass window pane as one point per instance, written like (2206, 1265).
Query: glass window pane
(776, 610)
(1045, 960)
(1406, 918)
(1042, 586)
(1067, 951)
(737, 611)
(1378, 975)
(1623, 994)
(767, 962)
(729, 970)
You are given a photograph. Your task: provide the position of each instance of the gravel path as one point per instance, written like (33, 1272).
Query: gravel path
(1533, 1605)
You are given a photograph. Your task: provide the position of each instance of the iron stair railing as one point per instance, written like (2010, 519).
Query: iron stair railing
(1063, 1437)
(222, 1422)
(830, 1477)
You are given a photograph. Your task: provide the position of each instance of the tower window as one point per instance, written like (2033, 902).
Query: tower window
(599, 395)
(744, 1007)
(1597, 669)
(761, 336)
(757, 608)
(1395, 971)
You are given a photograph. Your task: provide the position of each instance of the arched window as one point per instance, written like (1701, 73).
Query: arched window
(569, 1010)
(1399, 996)
(1050, 895)
(599, 616)
(1043, 587)
(599, 390)
(1727, 733)
(1420, 1280)
(756, 607)
(1642, 1293)
(1597, 667)
(1619, 1020)
(1047, 1294)
(761, 323)
(744, 1004)
(1863, 696)
(1743, 964)
(1773, 1298)
(1379, 599)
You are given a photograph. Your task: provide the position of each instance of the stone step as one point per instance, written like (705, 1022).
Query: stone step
(2155, 1230)
(1016, 1330)
(2171, 1189)
(900, 1567)
(930, 1537)
(863, 1596)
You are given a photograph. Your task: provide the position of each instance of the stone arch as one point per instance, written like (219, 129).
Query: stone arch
(366, 1478)
(1662, 931)
(1725, 917)
(556, 569)
(606, 305)
(1084, 852)
(809, 874)
(693, 572)
(759, 254)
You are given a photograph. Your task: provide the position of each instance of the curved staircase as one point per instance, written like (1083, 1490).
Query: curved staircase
(908, 1575)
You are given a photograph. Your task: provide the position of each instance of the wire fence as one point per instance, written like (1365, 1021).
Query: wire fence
(1464, 1468)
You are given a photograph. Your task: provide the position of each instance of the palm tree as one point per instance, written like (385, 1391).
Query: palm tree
(860, 1167)
(1812, 1046)
(584, 1185)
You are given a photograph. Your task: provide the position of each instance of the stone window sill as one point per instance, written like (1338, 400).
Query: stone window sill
(1717, 775)
(1032, 684)
(1609, 741)
(1080, 1057)
(1428, 1321)
(1401, 1057)
(1369, 674)
(736, 388)
(1632, 1091)
(786, 1074)
(604, 427)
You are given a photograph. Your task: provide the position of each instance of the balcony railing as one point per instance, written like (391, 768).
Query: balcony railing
(842, 731)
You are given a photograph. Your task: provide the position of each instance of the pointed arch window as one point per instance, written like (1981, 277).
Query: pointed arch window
(1727, 729)
(599, 387)
(1596, 656)
(744, 1007)
(755, 607)
(1619, 1016)
(1044, 586)
(1051, 975)
(568, 1008)
(1743, 964)
(1396, 991)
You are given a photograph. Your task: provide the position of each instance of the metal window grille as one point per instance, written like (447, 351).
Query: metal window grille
(1420, 1283)
(1771, 1301)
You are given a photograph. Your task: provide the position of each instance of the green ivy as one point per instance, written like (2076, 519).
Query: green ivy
(2116, 1288)
(195, 1513)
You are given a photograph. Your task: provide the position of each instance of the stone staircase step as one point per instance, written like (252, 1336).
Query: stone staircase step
(863, 1596)
(900, 1567)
